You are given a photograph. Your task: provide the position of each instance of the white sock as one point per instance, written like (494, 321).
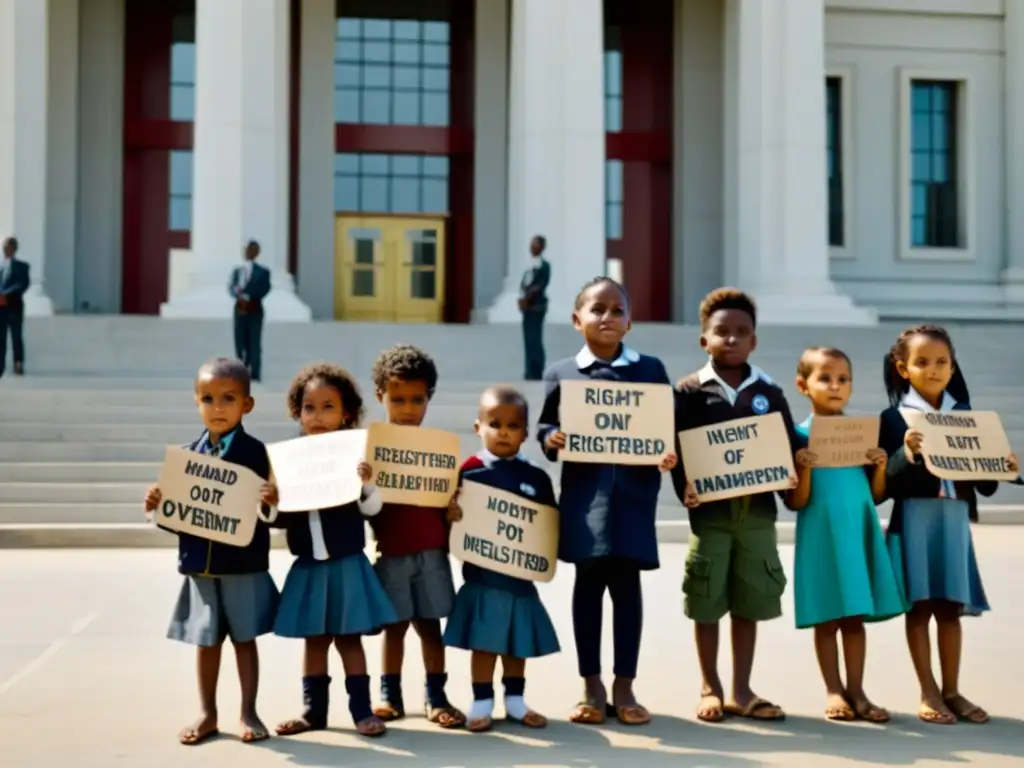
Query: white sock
(515, 707)
(480, 709)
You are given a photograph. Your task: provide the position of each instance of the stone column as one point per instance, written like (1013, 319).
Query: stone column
(24, 94)
(1013, 62)
(556, 149)
(776, 243)
(240, 155)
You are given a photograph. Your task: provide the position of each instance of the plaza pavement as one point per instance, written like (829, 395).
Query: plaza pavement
(87, 680)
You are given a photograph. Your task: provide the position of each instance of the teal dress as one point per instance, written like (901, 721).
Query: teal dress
(842, 564)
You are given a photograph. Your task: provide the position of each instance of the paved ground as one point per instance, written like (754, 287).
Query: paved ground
(86, 680)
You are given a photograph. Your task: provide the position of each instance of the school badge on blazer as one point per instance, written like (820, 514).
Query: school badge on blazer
(759, 404)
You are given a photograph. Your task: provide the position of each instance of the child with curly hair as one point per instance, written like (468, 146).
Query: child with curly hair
(332, 595)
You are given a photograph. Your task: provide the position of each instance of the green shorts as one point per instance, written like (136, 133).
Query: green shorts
(733, 565)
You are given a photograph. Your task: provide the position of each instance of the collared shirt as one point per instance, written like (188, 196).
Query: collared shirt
(5, 268)
(585, 358)
(708, 373)
(914, 401)
(222, 447)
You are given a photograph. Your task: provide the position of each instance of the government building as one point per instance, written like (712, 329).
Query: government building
(844, 160)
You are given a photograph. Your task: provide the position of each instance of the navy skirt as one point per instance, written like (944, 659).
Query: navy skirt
(933, 555)
(494, 620)
(333, 597)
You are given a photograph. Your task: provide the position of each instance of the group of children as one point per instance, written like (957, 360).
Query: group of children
(847, 572)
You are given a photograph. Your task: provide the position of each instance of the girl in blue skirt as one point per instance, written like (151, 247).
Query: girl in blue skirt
(929, 533)
(494, 614)
(843, 576)
(332, 595)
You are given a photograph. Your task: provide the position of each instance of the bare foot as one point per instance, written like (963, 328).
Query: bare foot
(837, 708)
(202, 729)
(253, 729)
(934, 710)
(293, 727)
(711, 708)
(966, 710)
(868, 711)
(371, 726)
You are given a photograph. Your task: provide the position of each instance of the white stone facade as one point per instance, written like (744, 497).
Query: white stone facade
(750, 197)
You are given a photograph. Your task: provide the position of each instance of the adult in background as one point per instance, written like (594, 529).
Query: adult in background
(14, 280)
(533, 303)
(250, 283)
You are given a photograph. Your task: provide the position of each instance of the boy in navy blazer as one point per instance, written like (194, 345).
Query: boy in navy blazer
(14, 281)
(250, 284)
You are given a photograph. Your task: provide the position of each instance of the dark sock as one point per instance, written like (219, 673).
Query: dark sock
(316, 696)
(358, 687)
(391, 692)
(436, 698)
(483, 691)
(514, 686)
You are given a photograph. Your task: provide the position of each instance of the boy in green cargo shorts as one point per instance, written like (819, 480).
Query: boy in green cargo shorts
(733, 566)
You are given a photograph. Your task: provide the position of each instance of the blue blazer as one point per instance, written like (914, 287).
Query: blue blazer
(604, 509)
(14, 285)
(258, 286)
(204, 557)
(343, 529)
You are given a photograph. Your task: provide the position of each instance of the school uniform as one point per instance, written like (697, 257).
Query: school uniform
(733, 566)
(227, 591)
(607, 517)
(929, 535)
(495, 612)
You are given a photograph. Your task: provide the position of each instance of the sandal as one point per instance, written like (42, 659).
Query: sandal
(388, 713)
(966, 711)
(530, 720)
(371, 727)
(480, 725)
(756, 709)
(446, 716)
(634, 714)
(254, 735)
(588, 713)
(710, 709)
(193, 736)
(869, 713)
(843, 714)
(933, 716)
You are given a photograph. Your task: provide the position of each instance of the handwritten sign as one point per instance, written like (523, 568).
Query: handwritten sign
(964, 445)
(843, 441)
(208, 497)
(613, 422)
(738, 458)
(506, 533)
(413, 465)
(318, 471)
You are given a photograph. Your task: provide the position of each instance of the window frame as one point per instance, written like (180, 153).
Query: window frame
(966, 183)
(848, 165)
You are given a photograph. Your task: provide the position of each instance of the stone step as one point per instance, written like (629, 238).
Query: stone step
(79, 472)
(69, 492)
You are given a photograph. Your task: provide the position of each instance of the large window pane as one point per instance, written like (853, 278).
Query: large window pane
(375, 183)
(934, 197)
(183, 68)
(834, 161)
(180, 191)
(613, 185)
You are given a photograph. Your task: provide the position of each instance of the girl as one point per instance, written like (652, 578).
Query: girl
(332, 595)
(929, 534)
(494, 614)
(606, 511)
(843, 575)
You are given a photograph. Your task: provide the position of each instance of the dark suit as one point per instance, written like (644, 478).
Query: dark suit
(533, 301)
(249, 295)
(14, 281)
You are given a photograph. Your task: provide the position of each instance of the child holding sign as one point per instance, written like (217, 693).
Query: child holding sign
(929, 533)
(733, 566)
(413, 546)
(842, 574)
(332, 595)
(495, 614)
(227, 590)
(607, 511)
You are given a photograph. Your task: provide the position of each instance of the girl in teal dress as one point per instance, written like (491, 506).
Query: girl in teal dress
(843, 576)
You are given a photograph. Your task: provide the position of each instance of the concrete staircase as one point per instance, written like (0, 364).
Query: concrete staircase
(83, 434)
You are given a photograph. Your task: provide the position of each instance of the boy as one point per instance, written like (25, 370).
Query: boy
(733, 566)
(227, 590)
(412, 544)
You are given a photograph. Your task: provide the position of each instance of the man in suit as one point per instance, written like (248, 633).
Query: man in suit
(250, 283)
(14, 281)
(533, 303)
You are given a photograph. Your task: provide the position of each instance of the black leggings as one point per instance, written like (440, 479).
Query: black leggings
(621, 578)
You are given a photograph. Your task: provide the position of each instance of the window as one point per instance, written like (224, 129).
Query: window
(183, 68)
(372, 183)
(933, 179)
(612, 80)
(613, 199)
(834, 137)
(180, 197)
(391, 72)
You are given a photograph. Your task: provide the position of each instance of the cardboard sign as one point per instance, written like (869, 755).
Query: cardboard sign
(616, 422)
(318, 471)
(962, 445)
(738, 458)
(843, 441)
(413, 465)
(207, 497)
(506, 533)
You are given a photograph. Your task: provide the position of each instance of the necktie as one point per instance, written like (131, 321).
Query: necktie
(215, 451)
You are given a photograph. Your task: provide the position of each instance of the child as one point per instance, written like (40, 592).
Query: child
(733, 566)
(332, 595)
(412, 543)
(842, 574)
(929, 533)
(494, 614)
(607, 512)
(227, 591)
